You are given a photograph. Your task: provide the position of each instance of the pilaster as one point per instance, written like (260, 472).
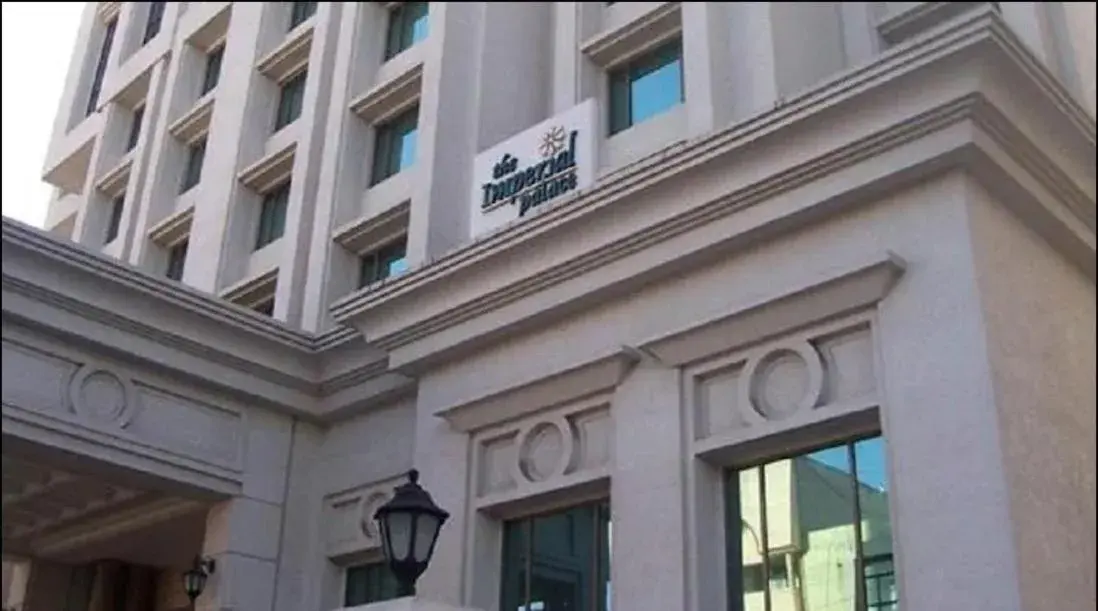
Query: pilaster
(647, 490)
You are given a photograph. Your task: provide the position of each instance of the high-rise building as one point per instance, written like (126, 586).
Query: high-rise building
(698, 306)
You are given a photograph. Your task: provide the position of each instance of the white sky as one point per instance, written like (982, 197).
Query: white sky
(37, 40)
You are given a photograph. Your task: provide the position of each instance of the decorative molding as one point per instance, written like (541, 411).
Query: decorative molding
(103, 396)
(365, 233)
(173, 229)
(569, 447)
(195, 123)
(589, 379)
(45, 250)
(266, 352)
(349, 518)
(649, 30)
(981, 36)
(271, 170)
(113, 183)
(253, 290)
(805, 378)
(847, 290)
(387, 99)
(214, 28)
(918, 18)
(291, 56)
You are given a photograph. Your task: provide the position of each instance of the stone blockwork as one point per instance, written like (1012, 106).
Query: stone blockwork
(821, 257)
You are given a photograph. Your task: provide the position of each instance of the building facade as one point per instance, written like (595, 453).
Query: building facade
(674, 306)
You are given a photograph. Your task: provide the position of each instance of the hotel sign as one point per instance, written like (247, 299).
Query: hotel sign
(533, 168)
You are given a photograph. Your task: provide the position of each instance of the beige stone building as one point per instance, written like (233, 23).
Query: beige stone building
(696, 306)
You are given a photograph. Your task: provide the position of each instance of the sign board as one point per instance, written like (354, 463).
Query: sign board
(532, 169)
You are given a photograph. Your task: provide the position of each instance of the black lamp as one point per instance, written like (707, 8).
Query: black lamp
(194, 580)
(409, 525)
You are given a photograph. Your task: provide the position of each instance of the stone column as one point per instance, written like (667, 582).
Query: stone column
(647, 490)
(708, 85)
(950, 498)
(235, 100)
(244, 535)
(439, 215)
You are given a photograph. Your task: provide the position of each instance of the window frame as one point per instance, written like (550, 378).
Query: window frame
(400, 28)
(271, 224)
(300, 12)
(368, 567)
(386, 159)
(600, 564)
(733, 536)
(212, 74)
(109, 31)
(192, 170)
(114, 220)
(154, 19)
(177, 260)
(372, 260)
(135, 128)
(291, 98)
(620, 79)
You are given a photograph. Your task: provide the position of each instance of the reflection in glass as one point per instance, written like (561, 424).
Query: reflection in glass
(826, 533)
(557, 562)
(646, 86)
(369, 583)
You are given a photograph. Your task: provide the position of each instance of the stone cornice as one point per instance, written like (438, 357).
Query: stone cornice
(45, 278)
(300, 373)
(975, 51)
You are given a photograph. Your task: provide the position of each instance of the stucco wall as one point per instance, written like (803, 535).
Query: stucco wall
(1039, 317)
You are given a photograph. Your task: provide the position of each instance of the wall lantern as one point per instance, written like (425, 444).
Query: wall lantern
(409, 525)
(194, 580)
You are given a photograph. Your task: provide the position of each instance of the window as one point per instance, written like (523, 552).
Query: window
(299, 12)
(192, 172)
(213, 69)
(152, 24)
(114, 221)
(558, 561)
(101, 67)
(407, 26)
(135, 128)
(289, 101)
(395, 145)
(880, 584)
(646, 86)
(369, 583)
(177, 258)
(388, 261)
(272, 216)
(812, 531)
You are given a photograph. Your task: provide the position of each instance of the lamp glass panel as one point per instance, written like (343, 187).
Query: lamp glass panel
(400, 534)
(426, 531)
(386, 544)
(194, 582)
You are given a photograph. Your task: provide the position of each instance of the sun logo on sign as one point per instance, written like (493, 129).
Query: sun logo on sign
(552, 142)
